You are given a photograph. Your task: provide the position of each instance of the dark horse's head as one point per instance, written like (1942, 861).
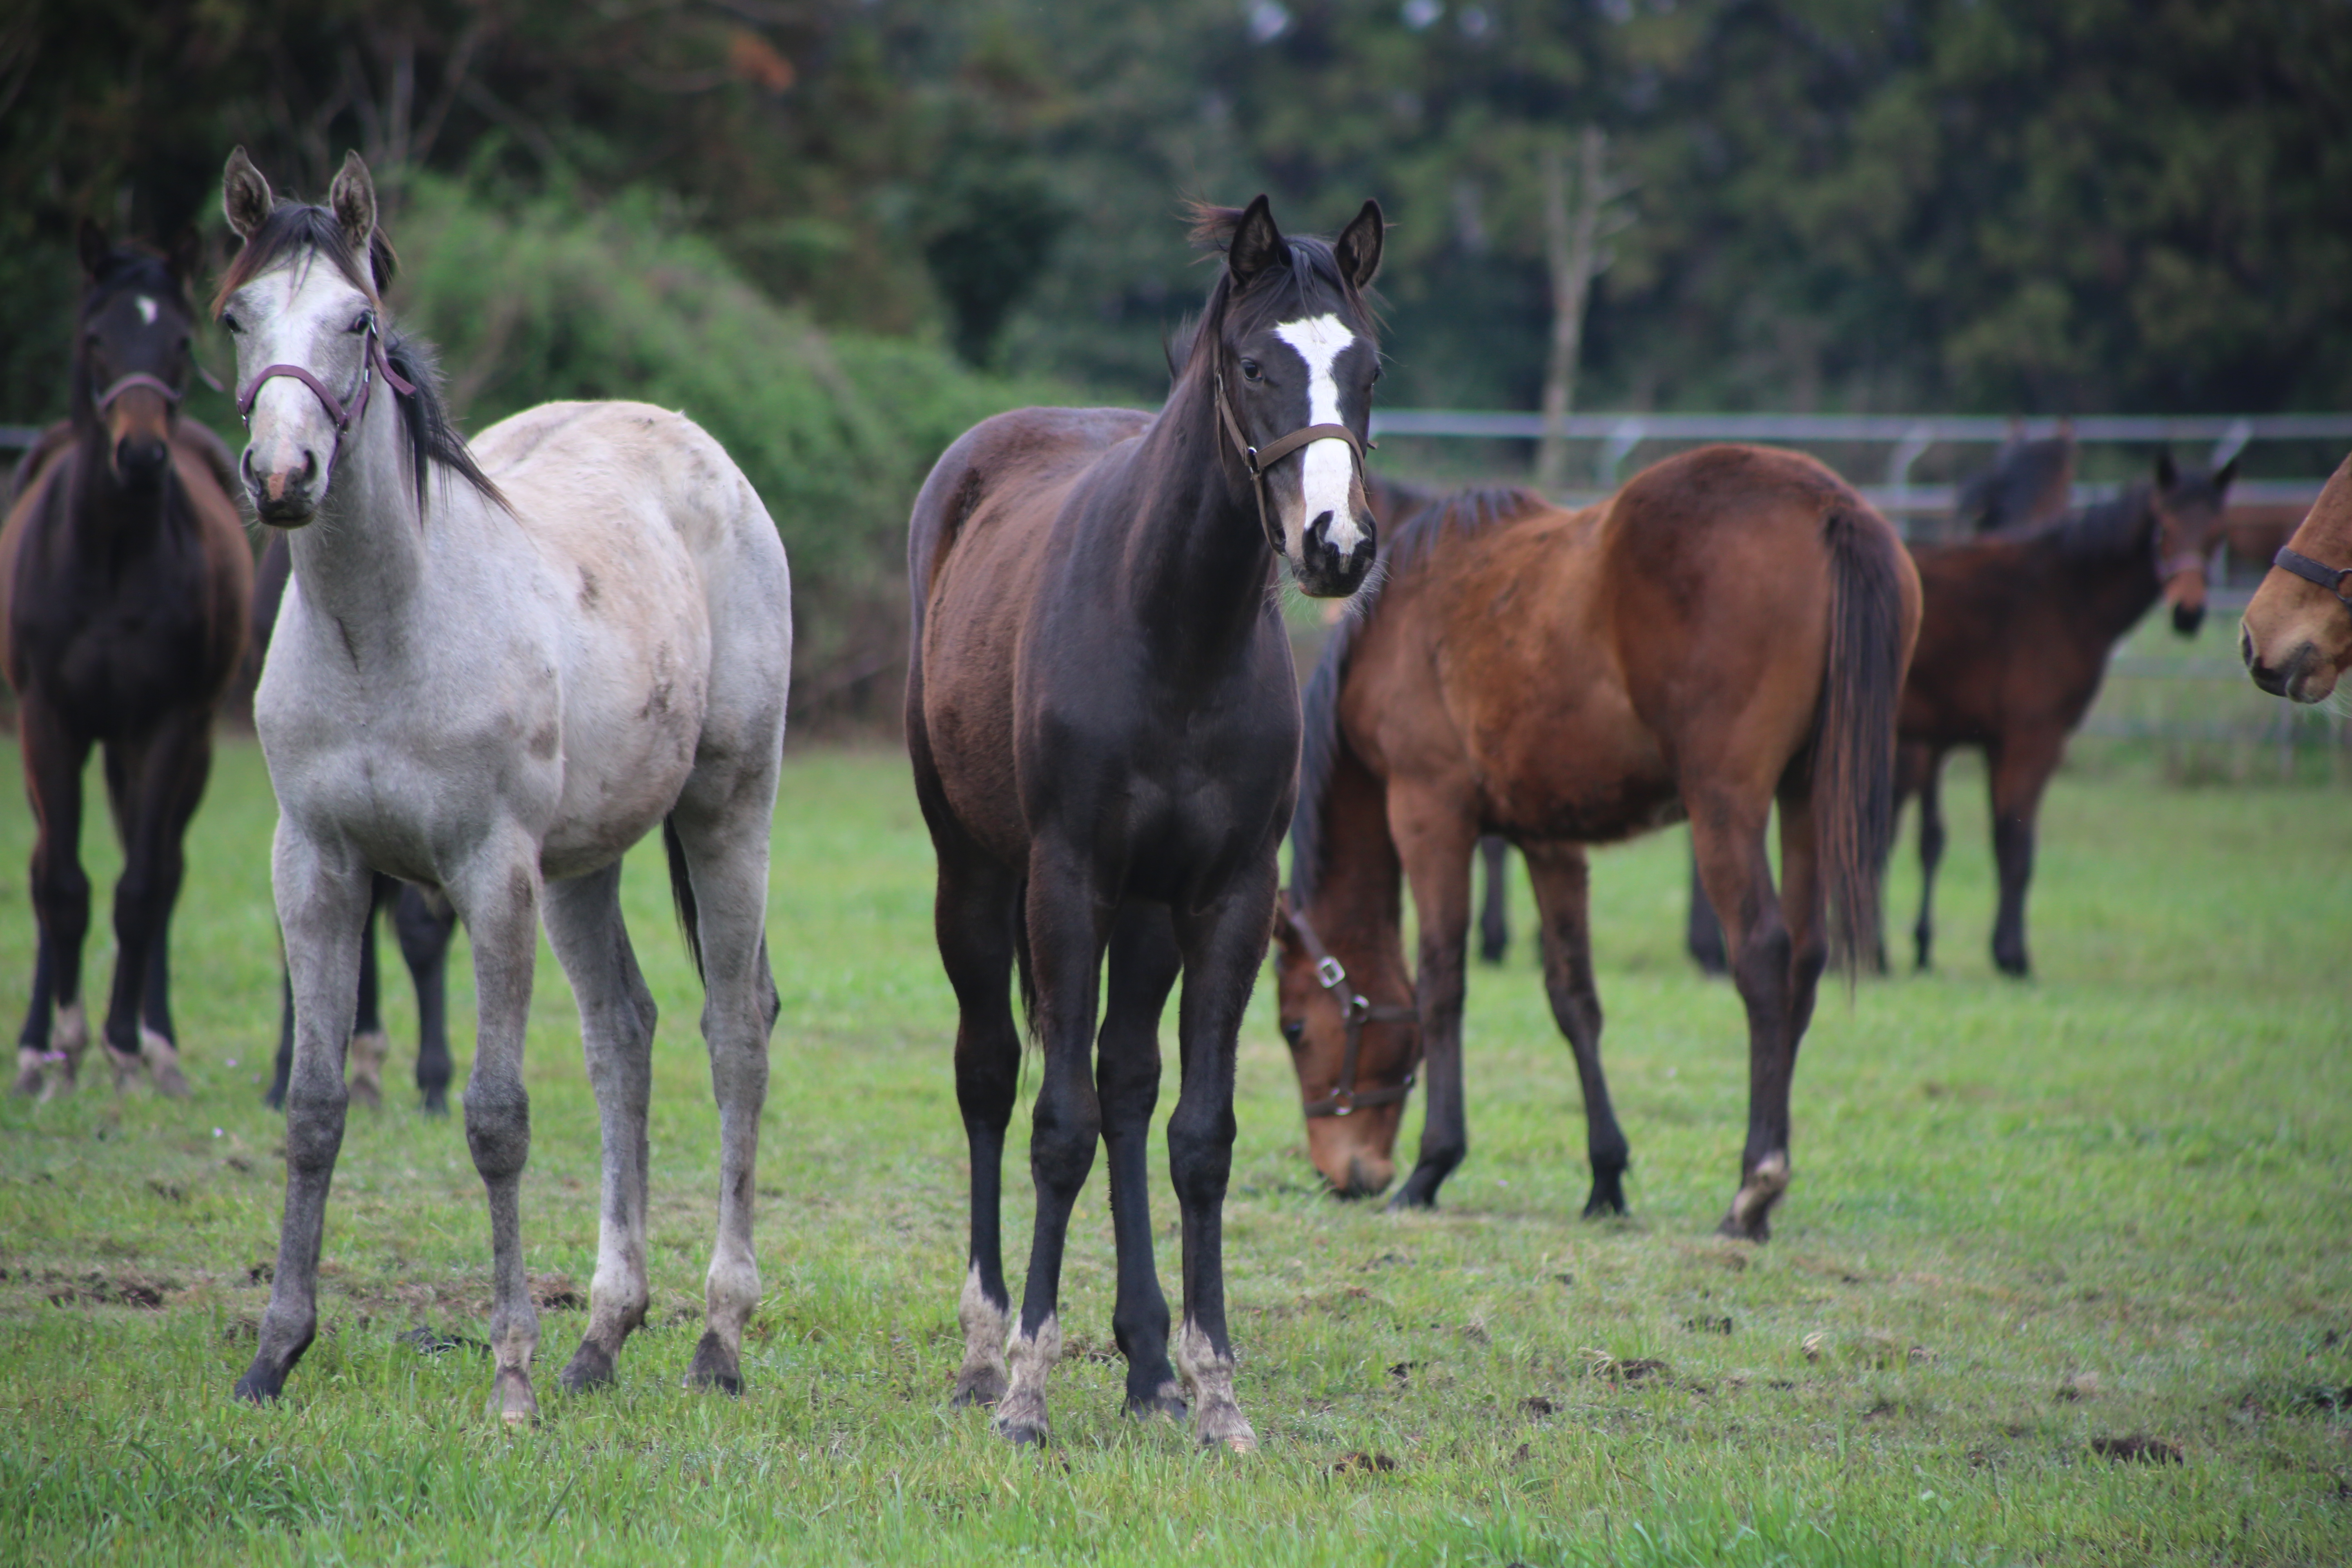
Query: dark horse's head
(2189, 510)
(1286, 345)
(133, 357)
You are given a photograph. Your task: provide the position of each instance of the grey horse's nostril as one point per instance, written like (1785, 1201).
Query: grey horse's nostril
(2245, 647)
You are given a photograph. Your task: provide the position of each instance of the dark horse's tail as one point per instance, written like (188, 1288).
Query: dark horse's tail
(1853, 752)
(681, 893)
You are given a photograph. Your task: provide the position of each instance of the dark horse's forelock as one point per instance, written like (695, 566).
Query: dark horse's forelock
(293, 229)
(1415, 522)
(1281, 292)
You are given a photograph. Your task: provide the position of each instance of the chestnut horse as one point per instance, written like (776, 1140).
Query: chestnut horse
(124, 578)
(1728, 630)
(1103, 718)
(2297, 637)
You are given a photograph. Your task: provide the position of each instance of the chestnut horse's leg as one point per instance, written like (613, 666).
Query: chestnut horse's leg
(973, 915)
(424, 927)
(54, 759)
(616, 1034)
(1730, 836)
(1923, 767)
(1702, 932)
(2020, 766)
(1223, 947)
(1563, 894)
(1434, 839)
(155, 786)
(1143, 967)
(1495, 910)
(1067, 921)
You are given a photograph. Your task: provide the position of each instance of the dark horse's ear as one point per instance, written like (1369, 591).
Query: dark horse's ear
(1256, 244)
(1358, 248)
(2224, 474)
(246, 198)
(90, 240)
(352, 198)
(2167, 476)
(1286, 928)
(186, 255)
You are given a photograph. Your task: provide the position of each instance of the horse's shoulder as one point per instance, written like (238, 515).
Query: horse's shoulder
(40, 460)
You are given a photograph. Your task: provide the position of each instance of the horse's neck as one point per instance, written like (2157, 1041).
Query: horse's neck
(2116, 588)
(1358, 905)
(360, 562)
(110, 518)
(1197, 569)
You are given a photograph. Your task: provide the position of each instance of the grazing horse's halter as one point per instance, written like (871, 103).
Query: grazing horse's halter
(1343, 1098)
(372, 358)
(1257, 459)
(2331, 578)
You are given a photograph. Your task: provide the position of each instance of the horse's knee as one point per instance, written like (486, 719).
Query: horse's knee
(314, 1123)
(1201, 1157)
(498, 1130)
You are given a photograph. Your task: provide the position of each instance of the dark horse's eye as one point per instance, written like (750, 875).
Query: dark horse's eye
(1250, 371)
(1293, 1031)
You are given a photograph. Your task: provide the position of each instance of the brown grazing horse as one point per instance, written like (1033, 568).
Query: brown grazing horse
(1103, 718)
(124, 581)
(1728, 630)
(2297, 637)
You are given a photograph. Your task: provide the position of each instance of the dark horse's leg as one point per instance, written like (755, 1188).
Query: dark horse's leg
(1923, 767)
(425, 925)
(54, 758)
(155, 785)
(1702, 932)
(1223, 947)
(1495, 911)
(1143, 965)
(1563, 893)
(972, 916)
(2021, 765)
(1434, 839)
(1729, 834)
(1068, 922)
(364, 1022)
(369, 1046)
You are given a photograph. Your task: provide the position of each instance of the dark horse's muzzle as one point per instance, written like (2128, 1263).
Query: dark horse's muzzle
(1327, 568)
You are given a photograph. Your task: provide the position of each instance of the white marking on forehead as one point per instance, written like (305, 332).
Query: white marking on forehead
(1327, 466)
(146, 309)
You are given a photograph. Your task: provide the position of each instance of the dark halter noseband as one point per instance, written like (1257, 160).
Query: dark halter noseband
(1344, 1098)
(1258, 459)
(172, 395)
(2318, 573)
(372, 358)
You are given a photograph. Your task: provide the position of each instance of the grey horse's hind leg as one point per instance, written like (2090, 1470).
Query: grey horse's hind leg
(322, 900)
(497, 896)
(725, 850)
(616, 1034)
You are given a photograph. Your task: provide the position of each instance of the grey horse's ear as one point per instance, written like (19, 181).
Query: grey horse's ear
(245, 196)
(1256, 244)
(352, 198)
(1358, 248)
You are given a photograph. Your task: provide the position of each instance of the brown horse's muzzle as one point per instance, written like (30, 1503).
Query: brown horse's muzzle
(2185, 593)
(139, 436)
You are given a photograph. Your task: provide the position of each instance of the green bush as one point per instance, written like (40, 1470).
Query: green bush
(545, 298)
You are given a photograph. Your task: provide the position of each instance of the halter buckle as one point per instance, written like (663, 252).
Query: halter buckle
(1328, 971)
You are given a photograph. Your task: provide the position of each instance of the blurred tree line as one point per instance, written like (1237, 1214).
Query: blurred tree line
(894, 205)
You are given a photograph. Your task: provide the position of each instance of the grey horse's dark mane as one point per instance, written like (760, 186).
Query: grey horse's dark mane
(1418, 521)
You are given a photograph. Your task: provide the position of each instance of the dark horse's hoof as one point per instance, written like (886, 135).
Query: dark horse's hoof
(1604, 1202)
(591, 1368)
(1167, 1400)
(713, 1367)
(259, 1386)
(1409, 1197)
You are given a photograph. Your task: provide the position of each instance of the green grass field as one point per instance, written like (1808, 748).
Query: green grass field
(2134, 1173)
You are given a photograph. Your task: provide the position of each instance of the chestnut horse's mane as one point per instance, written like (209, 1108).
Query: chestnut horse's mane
(1417, 520)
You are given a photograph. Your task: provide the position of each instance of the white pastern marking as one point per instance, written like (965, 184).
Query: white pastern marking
(1330, 467)
(146, 309)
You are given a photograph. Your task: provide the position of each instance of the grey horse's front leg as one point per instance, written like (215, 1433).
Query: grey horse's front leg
(323, 901)
(498, 898)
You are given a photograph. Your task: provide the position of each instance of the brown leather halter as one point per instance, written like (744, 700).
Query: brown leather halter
(2332, 578)
(371, 359)
(1344, 1099)
(1258, 459)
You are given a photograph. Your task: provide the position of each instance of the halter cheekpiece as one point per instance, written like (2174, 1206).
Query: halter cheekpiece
(371, 359)
(2316, 573)
(1258, 459)
(1345, 1099)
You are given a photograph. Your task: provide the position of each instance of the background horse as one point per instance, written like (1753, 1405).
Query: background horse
(421, 924)
(1104, 722)
(497, 669)
(2297, 637)
(1729, 629)
(2013, 644)
(124, 579)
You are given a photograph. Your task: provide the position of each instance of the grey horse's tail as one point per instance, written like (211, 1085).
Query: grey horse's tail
(681, 892)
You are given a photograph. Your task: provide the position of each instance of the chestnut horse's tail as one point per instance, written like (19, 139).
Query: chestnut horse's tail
(1853, 749)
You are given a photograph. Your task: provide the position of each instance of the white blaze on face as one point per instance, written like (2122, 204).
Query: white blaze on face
(1330, 467)
(146, 309)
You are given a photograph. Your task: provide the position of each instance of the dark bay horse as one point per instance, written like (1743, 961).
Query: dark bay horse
(1728, 630)
(124, 581)
(1104, 724)
(2297, 637)
(422, 924)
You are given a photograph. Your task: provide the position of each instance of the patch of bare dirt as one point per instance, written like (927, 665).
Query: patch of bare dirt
(96, 1289)
(1360, 1463)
